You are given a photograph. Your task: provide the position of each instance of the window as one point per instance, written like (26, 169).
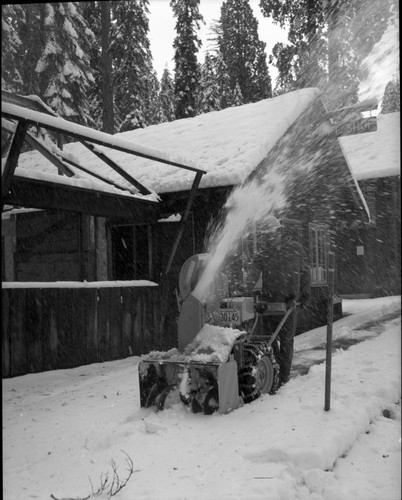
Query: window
(319, 239)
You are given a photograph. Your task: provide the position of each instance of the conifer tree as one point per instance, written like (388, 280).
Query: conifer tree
(327, 42)
(208, 97)
(91, 12)
(237, 98)
(223, 81)
(301, 61)
(63, 67)
(10, 47)
(166, 98)
(242, 51)
(48, 45)
(186, 46)
(133, 75)
(391, 98)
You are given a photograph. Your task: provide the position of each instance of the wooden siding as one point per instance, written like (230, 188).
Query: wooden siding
(52, 328)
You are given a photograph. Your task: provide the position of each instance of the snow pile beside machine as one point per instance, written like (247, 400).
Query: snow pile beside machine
(221, 362)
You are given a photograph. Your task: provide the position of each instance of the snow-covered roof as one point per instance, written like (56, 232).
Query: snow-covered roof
(375, 154)
(227, 144)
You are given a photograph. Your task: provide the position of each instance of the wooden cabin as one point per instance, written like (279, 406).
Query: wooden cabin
(49, 241)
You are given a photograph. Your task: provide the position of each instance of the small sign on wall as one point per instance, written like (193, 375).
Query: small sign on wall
(360, 250)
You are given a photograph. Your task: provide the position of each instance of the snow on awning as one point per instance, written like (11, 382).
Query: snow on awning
(375, 154)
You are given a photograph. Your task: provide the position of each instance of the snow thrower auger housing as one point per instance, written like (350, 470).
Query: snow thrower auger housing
(221, 362)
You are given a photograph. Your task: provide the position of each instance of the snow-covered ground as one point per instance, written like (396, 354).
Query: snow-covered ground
(63, 429)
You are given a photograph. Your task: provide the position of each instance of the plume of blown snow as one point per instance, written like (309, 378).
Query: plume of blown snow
(255, 202)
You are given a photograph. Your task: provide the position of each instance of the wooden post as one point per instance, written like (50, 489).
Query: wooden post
(12, 158)
(184, 220)
(330, 316)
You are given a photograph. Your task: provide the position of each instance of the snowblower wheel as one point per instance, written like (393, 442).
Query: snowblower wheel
(260, 375)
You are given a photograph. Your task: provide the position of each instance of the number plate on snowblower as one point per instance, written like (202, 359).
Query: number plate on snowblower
(230, 316)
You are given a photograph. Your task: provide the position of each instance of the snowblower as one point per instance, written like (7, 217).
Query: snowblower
(223, 359)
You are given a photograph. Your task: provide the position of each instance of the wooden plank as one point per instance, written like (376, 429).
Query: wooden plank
(91, 325)
(115, 323)
(50, 328)
(140, 337)
(65, 311)
(135, 337)
(17, 329)
(127, 349)
(104, 324)
(145, 330)
(5, 333)
(34, 329)
(77, 333)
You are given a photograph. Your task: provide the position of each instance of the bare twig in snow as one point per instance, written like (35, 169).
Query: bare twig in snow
(111, 489)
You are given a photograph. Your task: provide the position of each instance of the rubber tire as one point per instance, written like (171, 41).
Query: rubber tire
(265, 376)
(259, 376)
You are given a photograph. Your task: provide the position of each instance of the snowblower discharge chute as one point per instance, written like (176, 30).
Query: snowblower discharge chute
(221, 362)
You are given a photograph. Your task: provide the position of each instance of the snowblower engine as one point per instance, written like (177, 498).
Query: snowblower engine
(221, 361)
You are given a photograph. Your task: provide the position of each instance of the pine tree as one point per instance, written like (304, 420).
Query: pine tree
(63, 67)
(391, 98)
(208, 96)
(10, 46)
(242, 51)
(107, 90)
(166, 98)
(300, 63)
(91, 12)
(223, 81)
(283, 58)
(237, 98)
(186, 45)
(327, 42)
(25, 48)
(133, 76)
(262, 86)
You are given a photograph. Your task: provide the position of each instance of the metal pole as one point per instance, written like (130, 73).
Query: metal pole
(330, 316)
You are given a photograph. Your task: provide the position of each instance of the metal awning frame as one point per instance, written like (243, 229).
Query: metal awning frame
(21, 133)
(9, 111)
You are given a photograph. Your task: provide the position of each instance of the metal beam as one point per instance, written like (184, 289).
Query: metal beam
(97, 176)
(39, 145)
(12, 157)
(47, 153)
(142, 189)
